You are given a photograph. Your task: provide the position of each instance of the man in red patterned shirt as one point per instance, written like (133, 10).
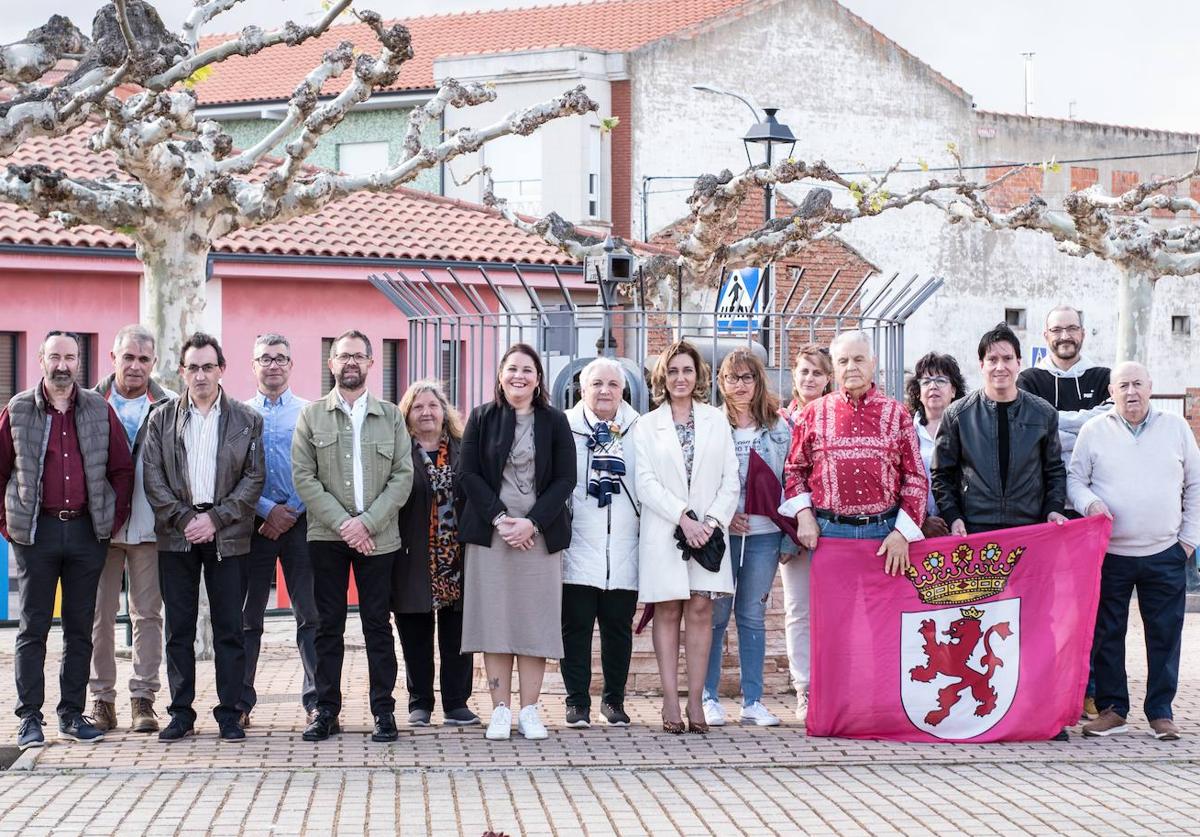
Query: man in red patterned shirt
(854, 470)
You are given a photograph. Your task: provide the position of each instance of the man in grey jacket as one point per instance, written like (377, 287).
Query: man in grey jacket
(352, 466)
(133, 395)
(204, 472)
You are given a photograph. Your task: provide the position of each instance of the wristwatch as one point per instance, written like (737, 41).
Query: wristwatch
(496, 520)
(712, 521)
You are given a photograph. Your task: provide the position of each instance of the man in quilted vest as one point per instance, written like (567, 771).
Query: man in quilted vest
(66, 479)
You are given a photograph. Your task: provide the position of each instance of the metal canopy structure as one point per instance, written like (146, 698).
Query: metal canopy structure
(455, 334)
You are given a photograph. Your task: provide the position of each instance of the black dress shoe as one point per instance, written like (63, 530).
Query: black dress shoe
(323, 726)
(178, 729)
(231, 731)
(385, 728)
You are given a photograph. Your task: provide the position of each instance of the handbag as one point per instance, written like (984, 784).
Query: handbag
(708, 556)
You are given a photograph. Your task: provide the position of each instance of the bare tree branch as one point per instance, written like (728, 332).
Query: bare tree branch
(256, 204)
(202, 14)
(33, 56)
(72, 200)
(251, 41)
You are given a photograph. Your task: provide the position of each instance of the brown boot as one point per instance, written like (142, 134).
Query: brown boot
(145, 719)
(104, 715)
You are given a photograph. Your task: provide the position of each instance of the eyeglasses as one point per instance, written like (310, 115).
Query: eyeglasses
(358, 357)
(1061, 330)
(934, 381)
(272, 360)
(745, 378)
(207, 368)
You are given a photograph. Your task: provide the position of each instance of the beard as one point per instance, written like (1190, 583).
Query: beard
(1066, 348)
(350, 378)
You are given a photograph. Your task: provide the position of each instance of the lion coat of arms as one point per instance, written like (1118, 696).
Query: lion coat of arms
(959, 667)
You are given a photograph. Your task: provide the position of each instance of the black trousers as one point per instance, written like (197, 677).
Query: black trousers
(65, 551)
(331, 563)
(416, 641)
(582, 606)
(179, 577)
(259, 567)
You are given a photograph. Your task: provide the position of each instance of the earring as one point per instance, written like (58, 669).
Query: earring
(537, 391)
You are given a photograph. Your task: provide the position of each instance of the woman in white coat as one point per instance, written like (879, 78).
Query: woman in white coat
(600, 567)
(686, 462)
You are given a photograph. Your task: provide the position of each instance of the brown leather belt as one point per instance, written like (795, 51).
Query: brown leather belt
(66, 514)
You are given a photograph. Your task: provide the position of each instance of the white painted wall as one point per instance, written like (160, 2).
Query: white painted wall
(858, 101)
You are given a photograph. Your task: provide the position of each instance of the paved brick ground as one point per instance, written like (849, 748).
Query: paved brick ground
(597, 781)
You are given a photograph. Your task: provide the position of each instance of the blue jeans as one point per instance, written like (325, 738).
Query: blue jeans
(1161, 584)
(755, 559)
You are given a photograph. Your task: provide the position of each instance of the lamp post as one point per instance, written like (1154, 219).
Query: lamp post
(767, 131)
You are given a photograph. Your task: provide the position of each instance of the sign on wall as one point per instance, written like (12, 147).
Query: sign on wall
(738, 304)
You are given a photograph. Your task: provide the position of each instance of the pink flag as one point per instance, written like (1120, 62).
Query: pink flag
(986, 639)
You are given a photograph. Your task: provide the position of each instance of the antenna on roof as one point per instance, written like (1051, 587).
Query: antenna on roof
(1028, 82)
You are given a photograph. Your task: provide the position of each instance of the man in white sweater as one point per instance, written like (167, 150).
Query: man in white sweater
(1141, 468)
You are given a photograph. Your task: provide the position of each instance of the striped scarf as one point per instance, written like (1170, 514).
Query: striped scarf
(606, 461)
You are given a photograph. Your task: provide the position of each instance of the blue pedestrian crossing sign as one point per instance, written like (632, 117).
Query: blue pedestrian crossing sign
(738, 306)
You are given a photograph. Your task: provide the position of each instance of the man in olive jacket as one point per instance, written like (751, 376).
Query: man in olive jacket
(203, 471)
(352, 467)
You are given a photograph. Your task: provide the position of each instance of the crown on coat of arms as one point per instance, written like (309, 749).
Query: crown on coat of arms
(963, 576)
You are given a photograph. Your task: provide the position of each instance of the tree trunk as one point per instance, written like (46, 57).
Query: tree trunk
(1135, 301)
(175, 268)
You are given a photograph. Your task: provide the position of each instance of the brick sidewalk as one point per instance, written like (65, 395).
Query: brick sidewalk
(597, 781)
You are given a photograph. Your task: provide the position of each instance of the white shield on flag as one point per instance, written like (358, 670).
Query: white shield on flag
(959, 667)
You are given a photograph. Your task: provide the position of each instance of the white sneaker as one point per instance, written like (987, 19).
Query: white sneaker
(802, 707)
(500, 726)
(714, 713)
(530, 725)
(758, 715)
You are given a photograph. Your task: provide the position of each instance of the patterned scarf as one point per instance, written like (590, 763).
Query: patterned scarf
(606, 455)
(445, 552)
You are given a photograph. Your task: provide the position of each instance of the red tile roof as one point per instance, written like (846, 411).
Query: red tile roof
(610, 25)
(402, 224)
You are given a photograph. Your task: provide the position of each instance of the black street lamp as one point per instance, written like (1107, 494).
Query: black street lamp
(770, 132)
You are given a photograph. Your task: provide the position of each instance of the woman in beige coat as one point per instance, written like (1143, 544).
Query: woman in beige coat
(686, 461)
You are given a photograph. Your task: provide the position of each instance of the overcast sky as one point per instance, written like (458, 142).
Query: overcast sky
(1120, 62)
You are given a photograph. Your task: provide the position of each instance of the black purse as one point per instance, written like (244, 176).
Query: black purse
(708, 556)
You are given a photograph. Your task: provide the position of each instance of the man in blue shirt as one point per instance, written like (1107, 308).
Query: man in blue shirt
(280, 527)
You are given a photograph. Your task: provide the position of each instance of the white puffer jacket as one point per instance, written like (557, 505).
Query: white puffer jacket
(604, 541)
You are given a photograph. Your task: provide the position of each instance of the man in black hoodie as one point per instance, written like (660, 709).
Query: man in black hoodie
(1079, 391)
(1065, 378)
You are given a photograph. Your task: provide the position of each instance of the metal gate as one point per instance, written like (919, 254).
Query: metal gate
(459, 338)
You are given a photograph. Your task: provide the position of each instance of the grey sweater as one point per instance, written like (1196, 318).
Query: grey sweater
(1150, 482)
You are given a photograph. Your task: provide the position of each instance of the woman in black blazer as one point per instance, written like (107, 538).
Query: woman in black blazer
(427, 576)
(516, 474)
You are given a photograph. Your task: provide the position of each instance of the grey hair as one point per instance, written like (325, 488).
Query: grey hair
(272, 339)
(1063, 309)
(853, 336)
(604, 362)
(136, 332)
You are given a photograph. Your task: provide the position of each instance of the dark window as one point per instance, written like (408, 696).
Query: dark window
(8, 365)
(1015, 317)
(86, 376)
(391, 371)
(450, 372)
(326, 376)
(1181, 324)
